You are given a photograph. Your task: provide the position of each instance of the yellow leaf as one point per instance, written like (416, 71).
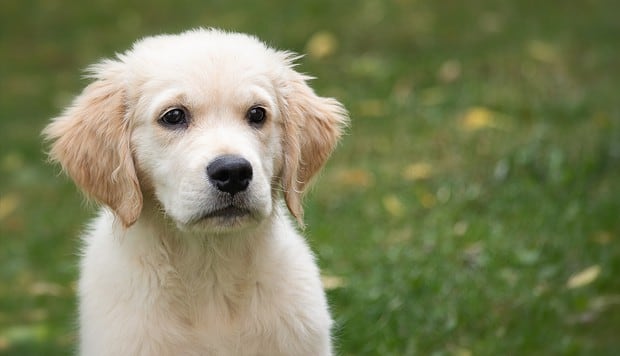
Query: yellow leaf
(417, 171)
(477, 118)
(584, 277)
(393, 205)
(321, 45)
(332, 282)
(356, 178)
(427, 200)
(8, 204)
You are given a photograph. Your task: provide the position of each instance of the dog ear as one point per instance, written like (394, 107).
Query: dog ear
(91, 140)
(312, 127)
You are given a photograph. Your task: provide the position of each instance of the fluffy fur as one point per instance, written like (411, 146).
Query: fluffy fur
(159, 275)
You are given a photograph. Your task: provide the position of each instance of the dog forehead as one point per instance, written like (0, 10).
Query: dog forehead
(202, 53)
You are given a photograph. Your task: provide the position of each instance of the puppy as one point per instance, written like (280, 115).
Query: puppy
(196, 145)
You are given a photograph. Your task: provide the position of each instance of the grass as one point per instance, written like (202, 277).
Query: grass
(473, 208)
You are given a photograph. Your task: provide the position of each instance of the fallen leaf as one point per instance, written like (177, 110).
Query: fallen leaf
(393, 205)
(332, 282)
(321, 45)
(460, 228)
(45, 288)
(449, 71)
(477, 118)
(427, 200)
(8, 204)
(584, 277)
(417, 171)
(355, 177)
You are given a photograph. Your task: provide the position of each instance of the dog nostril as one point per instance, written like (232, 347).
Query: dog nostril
(220, 175)
(230, 173)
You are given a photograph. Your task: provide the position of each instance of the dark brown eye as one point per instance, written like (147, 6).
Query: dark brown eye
(174, 118)
(256, 116)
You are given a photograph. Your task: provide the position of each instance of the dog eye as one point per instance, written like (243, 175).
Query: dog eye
(256, 116)
(174, 117)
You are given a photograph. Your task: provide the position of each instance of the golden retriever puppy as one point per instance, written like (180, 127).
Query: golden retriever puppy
(195, 145)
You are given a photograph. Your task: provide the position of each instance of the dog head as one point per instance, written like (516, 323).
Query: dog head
(209, 125)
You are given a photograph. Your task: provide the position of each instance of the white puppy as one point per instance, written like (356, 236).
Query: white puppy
(193, 143)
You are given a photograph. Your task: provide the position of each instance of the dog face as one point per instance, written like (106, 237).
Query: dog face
(211, 125)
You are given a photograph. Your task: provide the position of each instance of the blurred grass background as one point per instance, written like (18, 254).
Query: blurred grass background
(473, 209)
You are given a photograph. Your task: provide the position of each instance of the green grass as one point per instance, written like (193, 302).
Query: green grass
(481, 172)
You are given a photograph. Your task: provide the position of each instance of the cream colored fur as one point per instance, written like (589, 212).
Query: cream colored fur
(156, 277)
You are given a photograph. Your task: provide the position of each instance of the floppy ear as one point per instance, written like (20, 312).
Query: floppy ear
(312, 127)
(91, 142)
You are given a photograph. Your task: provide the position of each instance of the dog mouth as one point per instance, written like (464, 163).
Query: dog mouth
(226, 215)
(228, 212)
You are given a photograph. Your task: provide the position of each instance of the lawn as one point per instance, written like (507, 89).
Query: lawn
(472, 209)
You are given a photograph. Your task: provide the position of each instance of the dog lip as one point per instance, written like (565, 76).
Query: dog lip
(230, 211)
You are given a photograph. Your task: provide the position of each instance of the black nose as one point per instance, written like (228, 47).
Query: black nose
(229, 173)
